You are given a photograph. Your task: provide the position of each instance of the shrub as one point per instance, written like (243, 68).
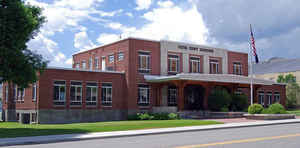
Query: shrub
(145, 116)
(219, 98)
(224, 109)
(239, 102)
(133, 117)
(255, 109)
(276, 109)
(172, 116)
(161, 116)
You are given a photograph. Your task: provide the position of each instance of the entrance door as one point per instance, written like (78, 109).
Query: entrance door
(194, 95)
(103, 64)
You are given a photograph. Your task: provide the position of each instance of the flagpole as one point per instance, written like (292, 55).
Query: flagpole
(251, 70)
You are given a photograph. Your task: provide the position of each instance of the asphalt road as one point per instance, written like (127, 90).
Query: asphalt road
(273, 136)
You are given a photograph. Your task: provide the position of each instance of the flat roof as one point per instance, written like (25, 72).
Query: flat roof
(162, 40)
(85, 70)
(223, 78)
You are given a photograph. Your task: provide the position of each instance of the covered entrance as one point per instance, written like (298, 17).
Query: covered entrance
(194, 96)
(193, 90)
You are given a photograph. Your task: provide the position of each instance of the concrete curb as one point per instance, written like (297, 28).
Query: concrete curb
(102, 135)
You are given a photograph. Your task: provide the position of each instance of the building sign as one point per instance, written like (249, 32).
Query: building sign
(195, 48)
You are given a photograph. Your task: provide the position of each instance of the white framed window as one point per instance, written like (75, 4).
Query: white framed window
(173, 64)
(83, 64)
(15, 92)
(277, 97)
(33, 117)
(237, 68)
(144, 62)
(269, 97)
(59, 92)
(34, 89)
(21, 93)
(111, 58)
(91, 93)
(120, 56)
(143, 95)
(6, 93)
(77, 65)
(172, 96)
(106, 98)
(96, 62)
(214, 66)
(261, 98)
(75, 93)
(195, 65)
(90, 63)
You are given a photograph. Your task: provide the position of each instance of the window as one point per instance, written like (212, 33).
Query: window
(237, 68)
(96, 63)
(261, 98)
(144, 62)
(34, 92)
(120, 56)
(33, 118)
(91, 93)
(59, 93)
(76, 93)
(194, 64)
(77, 65)
(277, 97)
(106, 97)
(83, 65)
(173, 63)
(172, 96)
(143, 95)
(111, 58)
(21, 93)
(269, 97)
(90, 63)
(214, 66)
(238, 91)
(6, 93)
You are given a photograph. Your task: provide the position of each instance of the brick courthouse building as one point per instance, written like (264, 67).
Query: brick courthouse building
(134, 75)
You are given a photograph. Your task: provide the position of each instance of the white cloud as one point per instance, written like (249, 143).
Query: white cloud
(165, 4)
(76, 4)
(69, 61)
(82, 41)
(129, 14)
(169, 22)
(106, 38)
(143, 4)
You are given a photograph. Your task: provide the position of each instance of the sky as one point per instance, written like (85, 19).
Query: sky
(78, 25)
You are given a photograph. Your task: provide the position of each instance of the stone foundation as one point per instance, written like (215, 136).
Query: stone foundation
(79, 115)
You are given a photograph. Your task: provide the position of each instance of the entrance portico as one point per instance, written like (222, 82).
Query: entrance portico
(193, 90)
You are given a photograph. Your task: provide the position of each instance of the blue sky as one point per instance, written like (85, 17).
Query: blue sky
(77, 25)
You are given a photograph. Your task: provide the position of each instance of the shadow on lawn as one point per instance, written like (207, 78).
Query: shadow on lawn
(25, 132)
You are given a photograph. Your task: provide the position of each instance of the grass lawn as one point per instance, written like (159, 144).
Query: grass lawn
(13, 129)
(297, 112)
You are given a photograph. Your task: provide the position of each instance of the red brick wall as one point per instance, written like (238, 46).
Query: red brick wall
(134, 77)
(238, 57)
(50, 75)
(273, 88)
(27, 102)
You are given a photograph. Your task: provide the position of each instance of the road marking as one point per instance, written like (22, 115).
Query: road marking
(239, 141)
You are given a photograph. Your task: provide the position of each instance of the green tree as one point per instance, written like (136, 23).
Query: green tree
(292, 88)
(19, 22)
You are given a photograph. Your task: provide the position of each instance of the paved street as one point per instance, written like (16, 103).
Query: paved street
(273, 136)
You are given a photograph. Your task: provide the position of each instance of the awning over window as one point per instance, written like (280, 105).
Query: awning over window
(223, 78)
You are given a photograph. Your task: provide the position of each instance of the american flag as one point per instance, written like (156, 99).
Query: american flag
(253, 45)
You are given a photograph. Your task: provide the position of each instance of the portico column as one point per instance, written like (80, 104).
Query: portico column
(180, 98)
(206, 95)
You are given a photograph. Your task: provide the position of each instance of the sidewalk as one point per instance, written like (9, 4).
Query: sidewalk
(74, 137)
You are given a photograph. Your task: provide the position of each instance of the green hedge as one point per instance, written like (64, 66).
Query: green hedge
(155, 116)
(255, 109)
(219, 100)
